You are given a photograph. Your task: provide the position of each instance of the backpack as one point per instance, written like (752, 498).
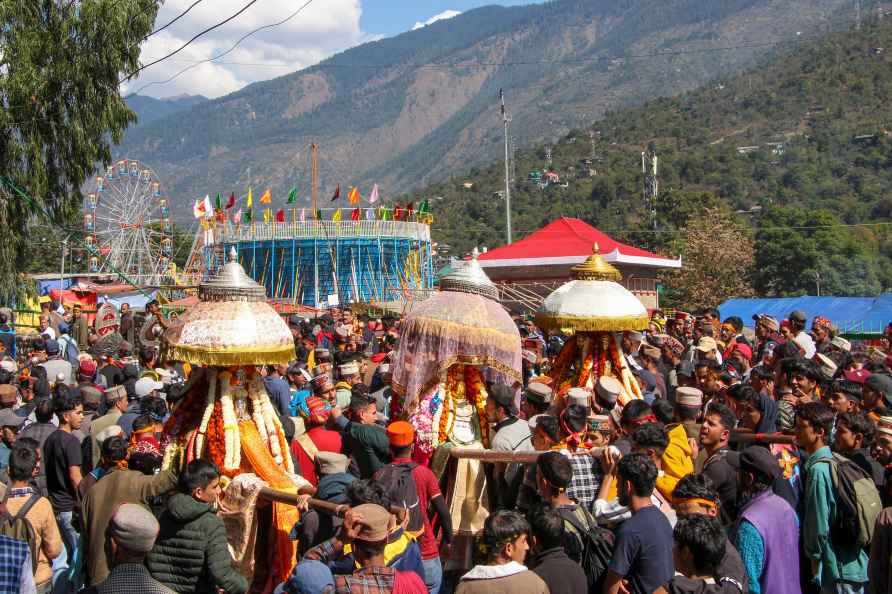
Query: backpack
(857, 502)
(400, 486)
(592, 548)
(18, 527)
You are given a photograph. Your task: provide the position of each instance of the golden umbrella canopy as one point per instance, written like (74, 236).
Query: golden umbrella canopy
(593, 301)
(462, 323)
(232, 324)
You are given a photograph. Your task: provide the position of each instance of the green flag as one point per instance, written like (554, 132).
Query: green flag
(292, 195)
(424, 207)
(249, 215)
(384, 215)
(318, 214)
(218, 202)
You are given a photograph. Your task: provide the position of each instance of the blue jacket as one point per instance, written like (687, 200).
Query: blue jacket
(835, 561)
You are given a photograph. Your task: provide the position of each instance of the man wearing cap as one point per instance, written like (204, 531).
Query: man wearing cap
(316, 439)
(688, 405)
(767, 534)
(427, 490)
(55, 364)
(510, 434)
(333, 481)
(767, 336)
(10, 423)
(366, 529)
(707, 348)
(607, 392)
(731, 334)
(143, 388)
(822, 334)
(116, 401)
(131, 534)
(349, 374)
(536, 399)
(80, 330)
(876, 395)
(631, 343)
(800, 336)
(650, 358)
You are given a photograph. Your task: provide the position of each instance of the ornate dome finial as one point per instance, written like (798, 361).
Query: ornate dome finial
(595, 268)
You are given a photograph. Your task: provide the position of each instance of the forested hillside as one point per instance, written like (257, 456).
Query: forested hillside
(417, 107)
(799, 146)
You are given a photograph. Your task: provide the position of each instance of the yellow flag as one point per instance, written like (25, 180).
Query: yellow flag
(250, 199)
(266, 197)
(337, 215)
(266, 215)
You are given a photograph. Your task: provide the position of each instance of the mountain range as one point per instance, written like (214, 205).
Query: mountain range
(419, 107)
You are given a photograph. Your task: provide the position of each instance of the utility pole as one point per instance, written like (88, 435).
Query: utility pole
(649, 164)
(857, 15)
(505, 121)
(313, 173)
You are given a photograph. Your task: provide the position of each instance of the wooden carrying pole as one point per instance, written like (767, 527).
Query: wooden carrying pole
(517, 457)
(334, 509)
(779, 438)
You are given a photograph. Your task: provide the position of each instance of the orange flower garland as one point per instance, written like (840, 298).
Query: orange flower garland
(216, 447)
(476, 394)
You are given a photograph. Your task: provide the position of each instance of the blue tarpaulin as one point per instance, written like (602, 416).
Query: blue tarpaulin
(852, 315)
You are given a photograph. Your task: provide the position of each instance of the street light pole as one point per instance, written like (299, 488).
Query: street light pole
(505, 121)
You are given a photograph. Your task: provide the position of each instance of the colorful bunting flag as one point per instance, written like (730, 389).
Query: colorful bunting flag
(237, 217)
(370, 214)
(374, 197)
(280, 215)
(337, 193)
(384, 214)
(353, 196)
(198, 209)
(249, 216)
(318, 214)
(292, 195)
(410, 208)
(218, 202)
(354, 216)
(250, 203)
(231, 202)
(303, 214)
(424, 207)
(266, 197)
(337, 215)
(266, 215)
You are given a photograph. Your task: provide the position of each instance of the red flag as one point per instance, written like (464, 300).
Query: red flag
(354, 216)
(410, 208)
(231, 202)
(397, 212)
(280, 216)
(337, 193)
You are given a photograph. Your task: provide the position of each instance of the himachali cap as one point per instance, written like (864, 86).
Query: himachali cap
(374, 522)
(884, 425)
(682, 315)
(87, 368)
(115, 393)
(797, 316)
(321, 381)
(706, 344)
(767, 321)
(688, 396)
(651, 351)
(599, 422)
(609, 389)
(320, 354)
(351, 368)
(8, 418)
(110, 431)
(332, 462)
(826, 366)
(744, 349)
(8, 394)
(841, 343)
(820, 321)
(538, 393)
(400, 433)
(579, 396)
(9, 365)
(318, 410)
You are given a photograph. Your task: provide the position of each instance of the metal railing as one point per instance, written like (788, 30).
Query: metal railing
(328, 230)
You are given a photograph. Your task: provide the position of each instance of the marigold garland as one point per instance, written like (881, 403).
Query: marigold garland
(476, 388)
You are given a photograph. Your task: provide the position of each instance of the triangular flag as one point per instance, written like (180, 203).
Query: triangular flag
(280, 216)
(353, 196)
(218, 202)
(250, 203)
(397, 212)
(374, 197)
(318, 214)
(424, 208)
(207, 208)
(249, 216)
(198, 209)
(337, 193)
(237, 217)
(384, 214)
(266, 215)
(370, 214)
(354, 216)
(266, 197)
(337, 215)
(292, 195)
(303, 214)
(410, 208)
(231, 202)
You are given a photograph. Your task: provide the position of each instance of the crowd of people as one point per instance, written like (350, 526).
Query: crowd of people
(756, 462)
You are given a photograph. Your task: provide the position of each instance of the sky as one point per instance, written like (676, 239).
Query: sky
(323, 28)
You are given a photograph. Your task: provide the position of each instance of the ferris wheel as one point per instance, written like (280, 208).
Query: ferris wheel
(127, 220)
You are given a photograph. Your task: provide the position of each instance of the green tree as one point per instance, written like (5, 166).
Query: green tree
(60, 68)
(799, 249)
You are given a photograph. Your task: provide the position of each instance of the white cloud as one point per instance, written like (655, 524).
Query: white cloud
(446, 14)
(317, 32)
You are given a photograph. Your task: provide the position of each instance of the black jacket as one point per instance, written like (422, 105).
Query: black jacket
(561, 574)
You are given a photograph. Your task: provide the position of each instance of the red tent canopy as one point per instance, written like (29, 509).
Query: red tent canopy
(570, 241)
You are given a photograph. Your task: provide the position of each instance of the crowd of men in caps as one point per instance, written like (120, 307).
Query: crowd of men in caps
(674, 502)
